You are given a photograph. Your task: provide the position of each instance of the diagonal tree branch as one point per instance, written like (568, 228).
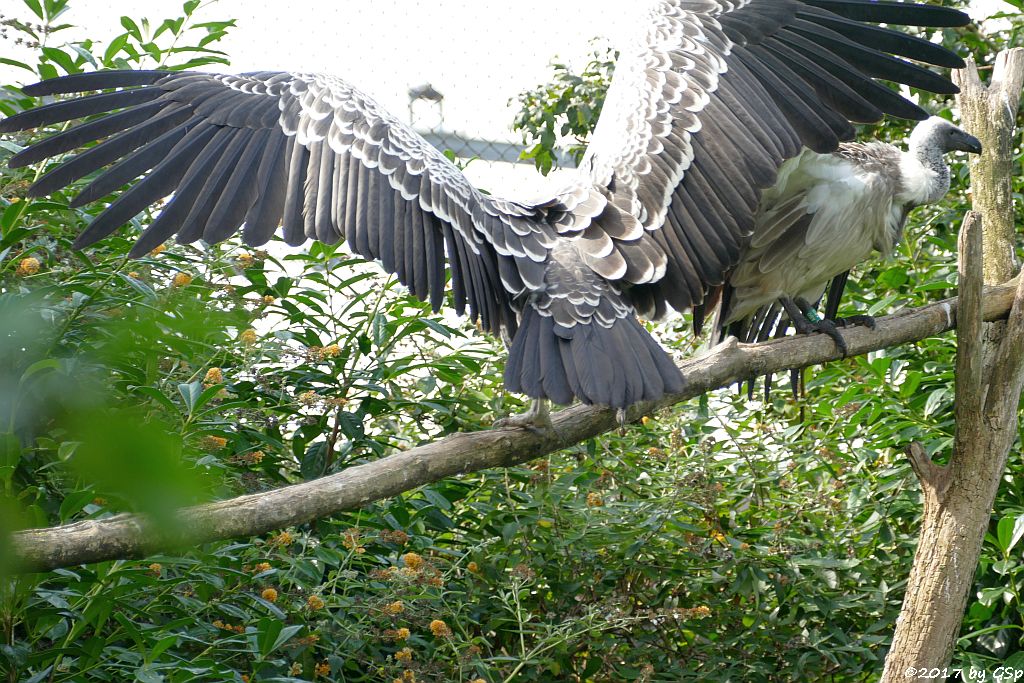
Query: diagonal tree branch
(128, 536)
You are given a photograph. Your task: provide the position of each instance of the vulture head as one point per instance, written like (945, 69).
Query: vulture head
(939, 134)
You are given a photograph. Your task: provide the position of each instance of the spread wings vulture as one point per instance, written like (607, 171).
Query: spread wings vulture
(704, 107)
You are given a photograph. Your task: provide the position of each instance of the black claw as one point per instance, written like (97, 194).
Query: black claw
(824, 327)
(799, 311)
(828, 327)
(867, 321)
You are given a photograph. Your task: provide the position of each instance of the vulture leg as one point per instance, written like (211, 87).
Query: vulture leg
(806, 321)
(537, 418)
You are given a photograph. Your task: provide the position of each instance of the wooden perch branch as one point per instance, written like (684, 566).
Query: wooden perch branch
(129, 536)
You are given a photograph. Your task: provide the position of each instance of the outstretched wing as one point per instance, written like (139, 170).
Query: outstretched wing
(701, 115)
(306, 152)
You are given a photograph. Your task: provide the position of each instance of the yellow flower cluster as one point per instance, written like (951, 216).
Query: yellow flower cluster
(440, 629)
(394, 608)
(28, 266)
(181, 280)
(404, 655)
(295, 670)
(314, 602)
(213, 376)
(228, 627)
(350, 539)
(213, 443)
(282, 539)
(702, 612)
(248, 337)
(253, 458)
(267, 300)
(318, 353)
(245, 260)
(261, 567)
(322, 669)
(158, 250)
(397, 537)
(413, 561)
(594, 500)
(269, 594)
(396, 634)
(155, 569)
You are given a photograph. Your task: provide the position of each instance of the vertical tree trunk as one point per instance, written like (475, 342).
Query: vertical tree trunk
(990, 374)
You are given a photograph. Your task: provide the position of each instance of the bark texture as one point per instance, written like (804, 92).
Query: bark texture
(131, 536)
(958, 498)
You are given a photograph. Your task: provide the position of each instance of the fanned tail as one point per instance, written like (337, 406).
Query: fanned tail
(614, 366)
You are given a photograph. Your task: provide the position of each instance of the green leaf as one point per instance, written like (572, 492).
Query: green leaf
(11, 62)
(10, 451)
(133, 29)
(10, 215)
(115, 46)
(159, 397)
(160, 647)
(1009, 532)
(314, 461)
(190, 393)
(74, 502)
(36, 8)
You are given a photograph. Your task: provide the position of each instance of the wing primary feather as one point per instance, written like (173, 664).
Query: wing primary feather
(325, 199)
(311, 187)
(372, 211)
(905, 13)
(158, 184)
(888, 41)
(195, 178)
(95, 80)
(293, 222)
(85, 133)
(886, 99)
(362, 210)
(401, 230)
(433, 255)
(66, 110)
(226, 149)
(272, 181)
(110, 150)
(386, 227)
(872, 62)
(240, 192)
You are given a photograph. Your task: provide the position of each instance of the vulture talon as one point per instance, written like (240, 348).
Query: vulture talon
(806, 321)
(537, 418)
(867, 321)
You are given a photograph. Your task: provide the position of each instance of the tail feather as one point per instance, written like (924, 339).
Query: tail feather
(614, 366)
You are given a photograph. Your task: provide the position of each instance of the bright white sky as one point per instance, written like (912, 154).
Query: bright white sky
(478, 53)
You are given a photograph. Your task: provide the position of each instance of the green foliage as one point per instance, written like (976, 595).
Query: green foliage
(568, 106)
(726, 540)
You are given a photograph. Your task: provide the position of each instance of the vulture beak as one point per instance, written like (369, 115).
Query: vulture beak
(966, 143)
